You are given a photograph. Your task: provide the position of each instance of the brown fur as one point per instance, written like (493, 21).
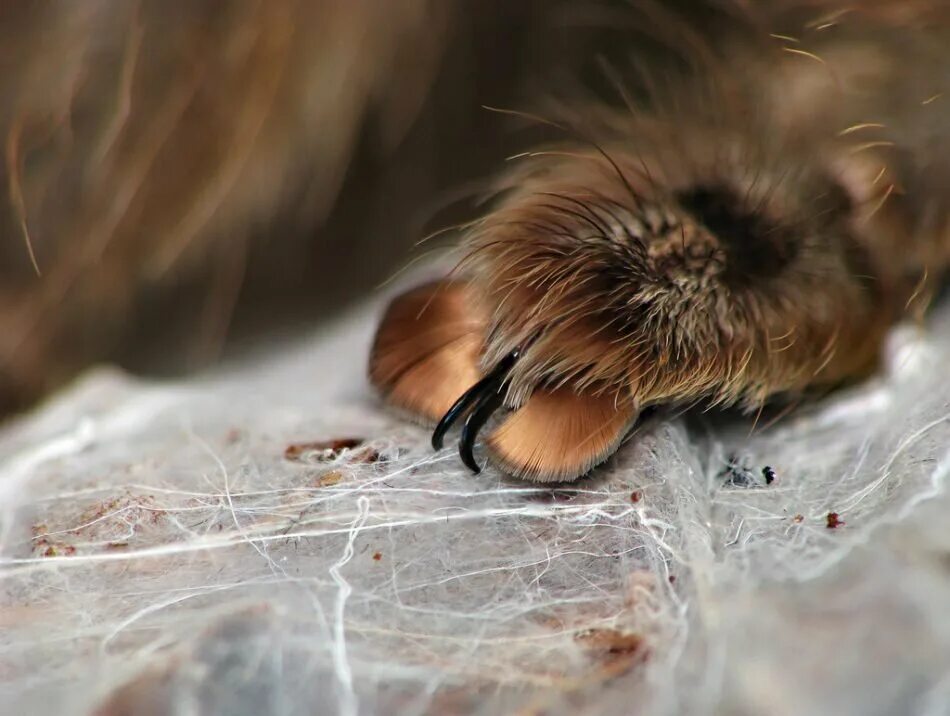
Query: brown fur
(747, 233)
(143, 144)
(167, 167)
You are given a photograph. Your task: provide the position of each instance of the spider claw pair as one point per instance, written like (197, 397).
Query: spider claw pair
(427, 352)
(479, 403)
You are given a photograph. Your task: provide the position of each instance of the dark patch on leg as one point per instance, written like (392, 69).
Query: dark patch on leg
(755, 246)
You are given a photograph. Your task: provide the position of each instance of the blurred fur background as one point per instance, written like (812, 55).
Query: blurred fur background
(181, 177)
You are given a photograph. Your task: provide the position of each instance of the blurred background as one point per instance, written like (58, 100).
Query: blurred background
(179, 179)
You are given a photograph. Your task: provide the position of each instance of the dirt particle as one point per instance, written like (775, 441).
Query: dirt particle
(736, 472)
(611, 640)
(635, 496)
(59, 550)
(329, 479)
(619, 651)
(377, 556)
(769, 474)
(834, 521)
(327, 450)
(798, 519)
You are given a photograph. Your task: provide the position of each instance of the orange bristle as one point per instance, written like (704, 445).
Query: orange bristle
(426, 351)
(560, 434)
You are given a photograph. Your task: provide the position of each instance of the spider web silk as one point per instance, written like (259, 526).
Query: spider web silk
(159, 551)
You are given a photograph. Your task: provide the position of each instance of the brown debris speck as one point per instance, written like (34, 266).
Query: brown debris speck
(45, 545)
(620, 651)
(834, 521)
(327, 450)
(59, 550)
(106, 522)
(635, 496)
(377, 556)
(367, 455)
(798, 519)
(611, 640)
(334, 477)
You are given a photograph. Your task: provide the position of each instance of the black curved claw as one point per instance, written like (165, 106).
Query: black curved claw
(469, 398)
(472, 399)
(487, 404)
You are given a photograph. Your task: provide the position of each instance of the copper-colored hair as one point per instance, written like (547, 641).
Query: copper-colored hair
(717, 244)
